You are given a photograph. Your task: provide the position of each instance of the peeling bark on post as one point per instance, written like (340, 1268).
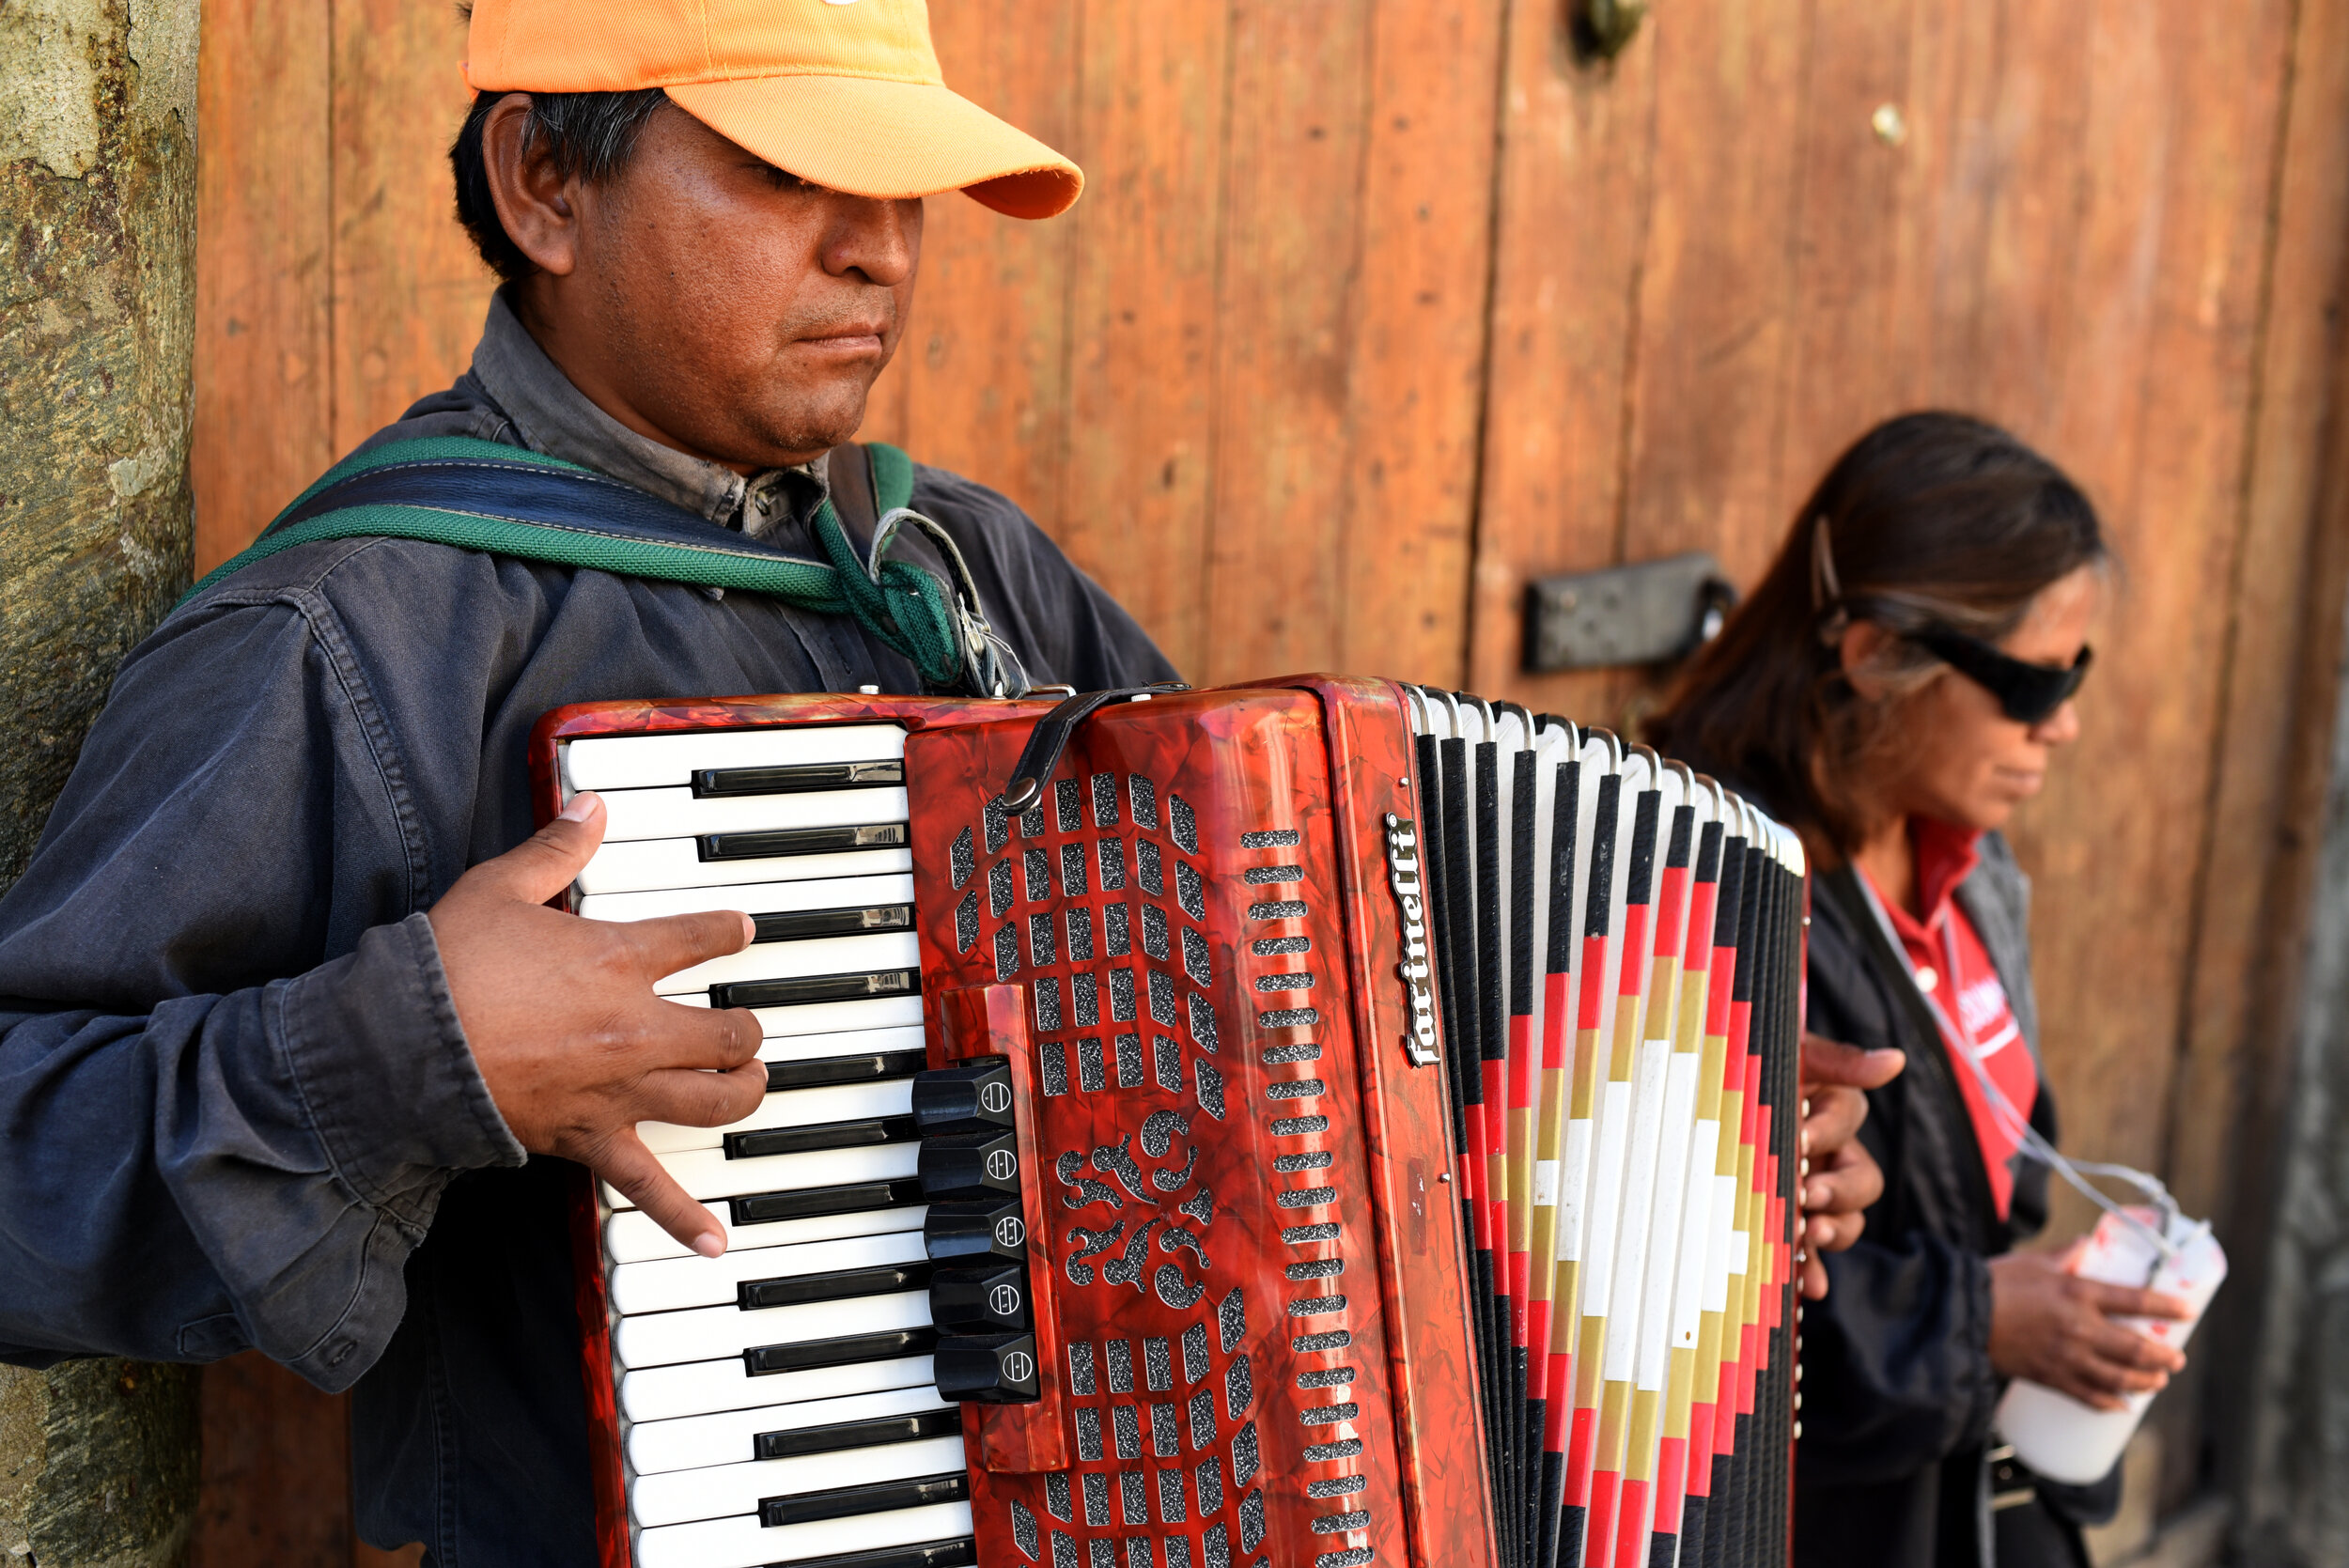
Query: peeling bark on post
(98, 1458)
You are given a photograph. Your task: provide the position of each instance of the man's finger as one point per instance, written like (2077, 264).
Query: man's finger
(698, 1099)
(551, 859)
(630, 1167)
(674, 943)
(706, 1039)
(1826, 1062)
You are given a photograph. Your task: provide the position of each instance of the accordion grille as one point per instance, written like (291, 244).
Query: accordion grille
(1172, 914)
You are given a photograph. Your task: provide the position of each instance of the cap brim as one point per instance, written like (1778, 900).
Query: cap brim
(872, 137)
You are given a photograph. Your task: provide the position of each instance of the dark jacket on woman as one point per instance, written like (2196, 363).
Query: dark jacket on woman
(1898, 1390)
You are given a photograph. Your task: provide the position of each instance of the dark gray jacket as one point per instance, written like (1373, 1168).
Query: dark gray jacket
(237, 1107)
(1898, 1390)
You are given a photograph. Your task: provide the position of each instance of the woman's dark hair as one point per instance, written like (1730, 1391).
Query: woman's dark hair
(591, 136)
(1930, 519)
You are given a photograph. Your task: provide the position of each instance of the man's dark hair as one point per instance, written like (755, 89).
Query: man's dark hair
(591, 136)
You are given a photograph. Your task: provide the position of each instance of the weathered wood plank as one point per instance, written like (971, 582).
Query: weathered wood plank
(1141, 311)
(276, 1476)
(984, 363)
(263, 399)
(2157, 393)
(409, 289)
(1577, 160)
(1717, 279)
(1286, 316)
(1416, 383)
(2273, 749)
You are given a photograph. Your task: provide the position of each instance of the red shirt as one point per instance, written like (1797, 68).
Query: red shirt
(1954, 968)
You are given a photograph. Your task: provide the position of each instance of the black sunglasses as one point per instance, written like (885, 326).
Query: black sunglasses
(2029, 692)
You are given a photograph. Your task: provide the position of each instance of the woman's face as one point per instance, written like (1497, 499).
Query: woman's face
(1962, 759)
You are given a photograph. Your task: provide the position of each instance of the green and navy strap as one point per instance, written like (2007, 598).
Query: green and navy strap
(500, 500)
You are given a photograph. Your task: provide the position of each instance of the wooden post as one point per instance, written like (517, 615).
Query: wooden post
(98, 1458)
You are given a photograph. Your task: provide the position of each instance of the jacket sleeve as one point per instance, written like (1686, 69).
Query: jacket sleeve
(1896, 1360)
(232, 1082)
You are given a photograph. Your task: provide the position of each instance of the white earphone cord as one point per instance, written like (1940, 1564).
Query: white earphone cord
(2027, 1139)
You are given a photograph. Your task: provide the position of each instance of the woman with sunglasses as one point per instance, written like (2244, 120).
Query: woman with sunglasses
(1898, 684)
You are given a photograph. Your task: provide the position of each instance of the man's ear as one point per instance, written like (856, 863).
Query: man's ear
(1860, 649)
(538, 206)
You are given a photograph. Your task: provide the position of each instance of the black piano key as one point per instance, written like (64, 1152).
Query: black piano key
(962, 1552)
(817, 988)
(796, 778)
(826, 1071)
(760, 1359)
(771, 843)
(799, 925)
(801, 1441)
(796, 1290)
(814, 1202)
(881, 1497)
(861, 1134)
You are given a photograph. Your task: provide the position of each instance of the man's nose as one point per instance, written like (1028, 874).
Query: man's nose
(873, 237)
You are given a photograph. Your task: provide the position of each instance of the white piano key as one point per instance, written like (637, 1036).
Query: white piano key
(729, 1437)
(648, 761)
(706, 1333)
(753, 898)
(643, 813)
(864, 1016)
(707, 1175)
(861, 1042)
(644, 865)
(680, 1497)
(860, 954)
(670, 1284)
(790, 1108)
(629, 1236)
(705, 1387)
(741, 1542)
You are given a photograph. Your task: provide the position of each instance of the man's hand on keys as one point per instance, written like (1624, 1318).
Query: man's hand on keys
(564, 1025)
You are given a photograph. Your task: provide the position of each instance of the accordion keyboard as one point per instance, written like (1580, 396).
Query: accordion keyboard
(778, 1402)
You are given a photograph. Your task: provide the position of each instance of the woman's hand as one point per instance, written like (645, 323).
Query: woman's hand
(2056, 1328)
(1841, 1179)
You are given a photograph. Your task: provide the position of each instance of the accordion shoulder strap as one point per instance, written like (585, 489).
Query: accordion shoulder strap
(479, 495)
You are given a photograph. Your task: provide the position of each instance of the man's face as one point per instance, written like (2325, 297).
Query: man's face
(722, 306)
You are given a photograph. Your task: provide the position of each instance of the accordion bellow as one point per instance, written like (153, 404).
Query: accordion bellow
(1337, 1122)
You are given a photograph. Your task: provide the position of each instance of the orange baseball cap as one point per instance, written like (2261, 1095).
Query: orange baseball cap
(846, 93)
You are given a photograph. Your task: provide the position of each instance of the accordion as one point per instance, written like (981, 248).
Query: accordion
(1320, 1123)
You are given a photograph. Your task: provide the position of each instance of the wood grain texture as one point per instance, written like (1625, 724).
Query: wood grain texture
(276, 1470)
(983, 371)
(1578, 144)
(1416, 383)
(409, 289)
(264, 408)
(2273, 752)
(1141, 310)
(1285, 313)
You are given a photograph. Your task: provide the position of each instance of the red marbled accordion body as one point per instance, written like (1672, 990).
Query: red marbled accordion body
(1243, 1255)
